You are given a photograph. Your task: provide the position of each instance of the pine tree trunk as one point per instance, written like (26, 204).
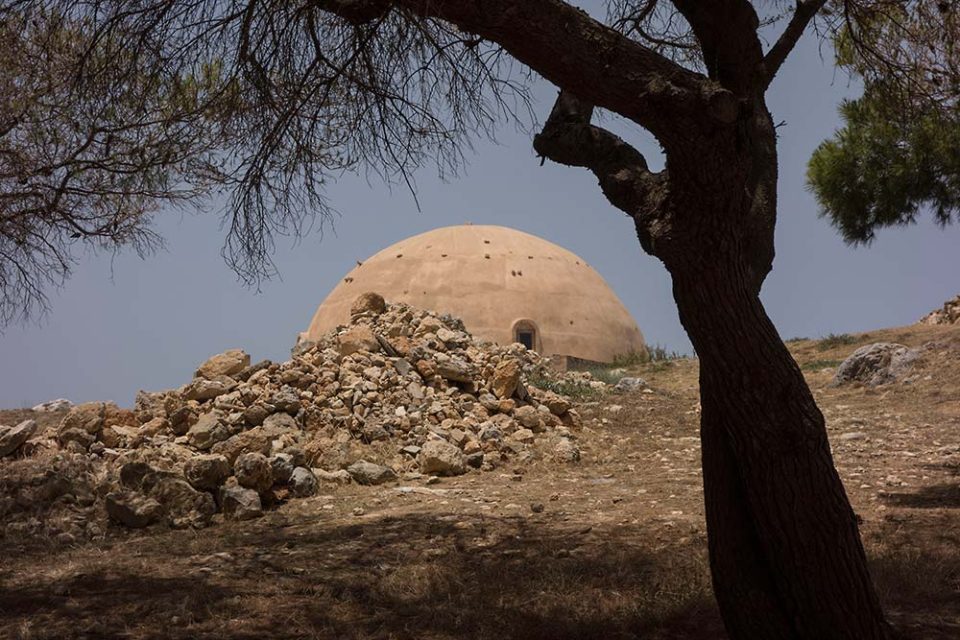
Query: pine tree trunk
(785, 551)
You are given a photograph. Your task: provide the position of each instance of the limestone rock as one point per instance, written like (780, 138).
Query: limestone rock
(359, 338)
(11, 438)
(253, 471)
(203, 389)
(506, 377)
(239, 503)
(283, 466)
(455, 369)
(557, 404)
(256, 440)
(364, 472)
(303, 483)
(340, 476)
(528, 417)
(371, 303)
(949, 313)
(51, 406)
(183, 506)
(566, 451)
(88, 417)
(525, 436)
(228, 363)
(627, 384)
(439, 457)
(208, 472)
(209, 430)
(876, 364)
(132, 509)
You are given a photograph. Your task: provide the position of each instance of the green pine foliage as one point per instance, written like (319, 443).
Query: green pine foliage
(886, 166)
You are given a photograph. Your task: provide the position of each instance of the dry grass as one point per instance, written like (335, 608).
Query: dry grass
(619, 550)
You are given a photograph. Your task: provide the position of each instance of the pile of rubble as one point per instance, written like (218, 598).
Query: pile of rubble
(948, 314)
(399, 392)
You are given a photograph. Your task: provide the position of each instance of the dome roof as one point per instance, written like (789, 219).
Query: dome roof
(500, 281)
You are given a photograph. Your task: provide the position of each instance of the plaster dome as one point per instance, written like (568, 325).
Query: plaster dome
(507, 286)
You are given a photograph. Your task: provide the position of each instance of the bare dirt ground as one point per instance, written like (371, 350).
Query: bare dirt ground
(611, 547)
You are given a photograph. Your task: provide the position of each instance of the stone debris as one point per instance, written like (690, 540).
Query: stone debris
(949, 313)
(53, 406)
(12, 438)
(627, 384)
(398, 391)
(876, 364)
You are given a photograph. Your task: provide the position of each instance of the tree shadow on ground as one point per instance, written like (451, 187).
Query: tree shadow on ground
(419, 576)
(939, 496)
(412, 577)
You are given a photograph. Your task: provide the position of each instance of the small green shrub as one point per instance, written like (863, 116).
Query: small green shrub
(576, 392)
(816, 365)
(655, 353)
(835, 340)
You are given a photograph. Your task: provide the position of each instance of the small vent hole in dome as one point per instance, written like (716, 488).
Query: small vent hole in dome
(519, 273)
(443, 255)
(486, 242)
(513, 273)
(487, 256)
(399, 255)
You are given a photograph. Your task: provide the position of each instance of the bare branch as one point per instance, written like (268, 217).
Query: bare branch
(577, 53)
(802, 15)
(568, 138)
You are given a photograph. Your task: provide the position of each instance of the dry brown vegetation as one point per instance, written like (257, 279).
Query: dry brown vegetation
(618, 550)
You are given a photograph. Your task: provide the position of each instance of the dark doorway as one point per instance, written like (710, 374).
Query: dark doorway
(526, 338)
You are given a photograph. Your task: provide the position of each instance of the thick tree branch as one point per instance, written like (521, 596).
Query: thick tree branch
(727, 33)
(804, 13)
(579, 54)
(568, 138)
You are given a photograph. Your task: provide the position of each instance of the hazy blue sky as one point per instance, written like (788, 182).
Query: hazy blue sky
(124, 324)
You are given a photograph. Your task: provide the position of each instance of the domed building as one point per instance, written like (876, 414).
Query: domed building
(506, 285)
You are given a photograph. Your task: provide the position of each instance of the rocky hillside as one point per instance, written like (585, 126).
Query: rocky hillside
(398, 392)
(949, 313)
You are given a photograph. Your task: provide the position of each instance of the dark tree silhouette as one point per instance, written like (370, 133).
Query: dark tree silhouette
(284, 94)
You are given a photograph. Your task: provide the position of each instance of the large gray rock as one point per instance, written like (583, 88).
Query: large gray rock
(132, 509)
(207, 473)
(303, 483)
(364, 472)
(442, 458)
(253, 471)
(12, 438)
(239, 503)
(876, 364)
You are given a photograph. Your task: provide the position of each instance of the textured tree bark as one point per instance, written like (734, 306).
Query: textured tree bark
(785, 551)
